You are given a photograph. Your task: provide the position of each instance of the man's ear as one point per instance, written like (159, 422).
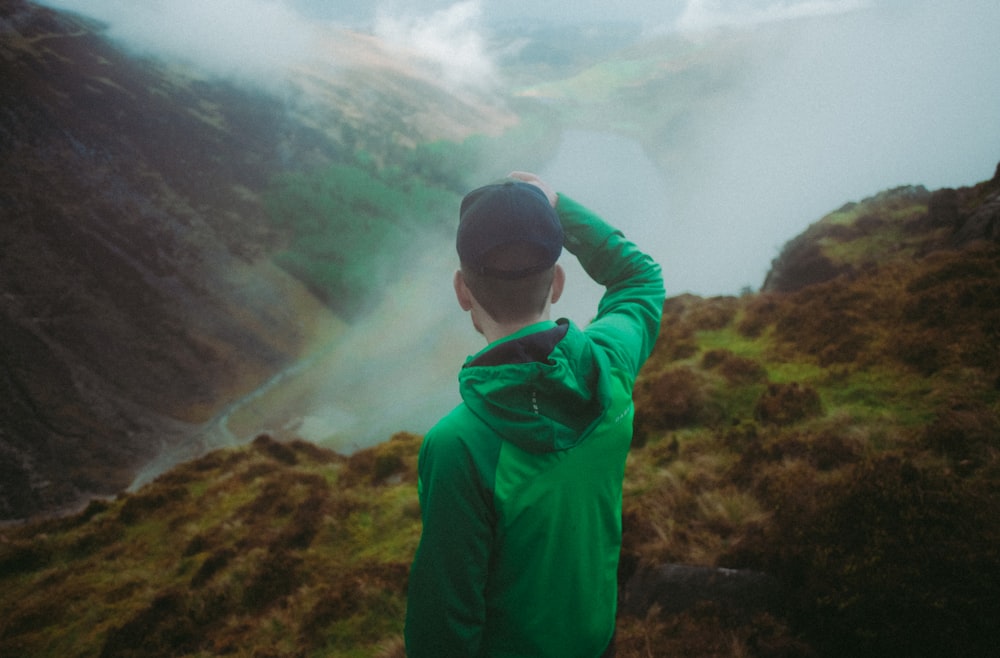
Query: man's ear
(558, 282)
(462, 292)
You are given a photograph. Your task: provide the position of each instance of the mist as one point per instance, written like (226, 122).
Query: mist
(844, 108)
(835, 101)
(840, 100)
(452, 38)
(252, 41)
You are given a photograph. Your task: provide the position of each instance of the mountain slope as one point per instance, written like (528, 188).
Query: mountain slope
(140, 293)
(254, 549)
(841, 437)
(840, 429)
(134, 302)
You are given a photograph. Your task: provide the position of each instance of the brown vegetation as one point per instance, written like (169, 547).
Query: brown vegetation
(838, 433)
(269, 547)
(840, 440)
(843, 437)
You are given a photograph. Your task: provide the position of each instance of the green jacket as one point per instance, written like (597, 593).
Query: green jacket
(520, 486)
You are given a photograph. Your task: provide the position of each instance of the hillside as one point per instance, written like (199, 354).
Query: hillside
(836, 432)
(150, 273)
(173, 242)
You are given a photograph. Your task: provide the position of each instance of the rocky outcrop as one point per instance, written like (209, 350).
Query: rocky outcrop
(735, 595)
(982, 223)
(972, 214)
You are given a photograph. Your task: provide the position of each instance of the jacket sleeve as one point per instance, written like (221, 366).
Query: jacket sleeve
(446, 594)
(628, 316)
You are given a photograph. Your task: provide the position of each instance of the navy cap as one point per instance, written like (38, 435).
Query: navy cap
(503, 214)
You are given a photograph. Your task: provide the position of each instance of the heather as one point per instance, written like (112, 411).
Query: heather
(836, 432)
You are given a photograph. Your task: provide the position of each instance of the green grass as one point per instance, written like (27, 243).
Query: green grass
(351, 227)
(878, 393)
(728, 338)
(794, 371)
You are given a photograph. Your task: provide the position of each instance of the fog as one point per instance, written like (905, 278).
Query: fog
(875, 99)
(867, 95)
(452, 37)
(251, 40)
(845, 99)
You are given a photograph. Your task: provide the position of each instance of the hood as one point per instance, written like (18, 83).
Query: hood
(542, 389)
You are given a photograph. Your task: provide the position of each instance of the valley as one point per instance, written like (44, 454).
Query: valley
(227, 320)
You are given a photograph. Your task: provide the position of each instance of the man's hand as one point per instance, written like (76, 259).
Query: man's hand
(532, 179)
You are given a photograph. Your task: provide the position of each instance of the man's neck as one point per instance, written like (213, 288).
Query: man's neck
(493, 331)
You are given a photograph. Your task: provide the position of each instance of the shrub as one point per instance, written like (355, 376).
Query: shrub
(943, 208)
(802, 264)
(925, 356)
(278, 574)
(164, 629)
(713, 313)
(669, 400)
(829, 321)
(736, 369)
(211, 566)
(683, 316)
(761, 312)
(24, 557)
(150, 499)
(912, 566)
(275, 450)
(785, 404)
(967, 433)
(394, 460)
(888, 559)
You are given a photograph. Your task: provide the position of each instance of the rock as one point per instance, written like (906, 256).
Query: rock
(981, 224)
(738, 595)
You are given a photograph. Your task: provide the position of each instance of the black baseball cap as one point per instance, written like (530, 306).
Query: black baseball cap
(507, 213)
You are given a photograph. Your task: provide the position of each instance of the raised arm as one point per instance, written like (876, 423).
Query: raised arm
(628, 316)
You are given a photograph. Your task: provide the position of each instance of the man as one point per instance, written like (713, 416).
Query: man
(520, 486)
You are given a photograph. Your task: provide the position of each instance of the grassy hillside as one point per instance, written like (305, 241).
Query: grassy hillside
(273, 549)
(838, 431)
(843, 436)
(351, 228)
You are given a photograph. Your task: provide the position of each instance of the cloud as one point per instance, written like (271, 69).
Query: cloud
(836, 110)
(451, 39)
(701, 15)
(260, 40)
(256, 40)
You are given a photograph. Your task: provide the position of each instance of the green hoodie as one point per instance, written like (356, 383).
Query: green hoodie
(520, 486)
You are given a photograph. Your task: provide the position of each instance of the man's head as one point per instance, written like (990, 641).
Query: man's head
(509, 239)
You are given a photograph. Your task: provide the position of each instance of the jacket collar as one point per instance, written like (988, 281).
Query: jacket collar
(531, 344)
